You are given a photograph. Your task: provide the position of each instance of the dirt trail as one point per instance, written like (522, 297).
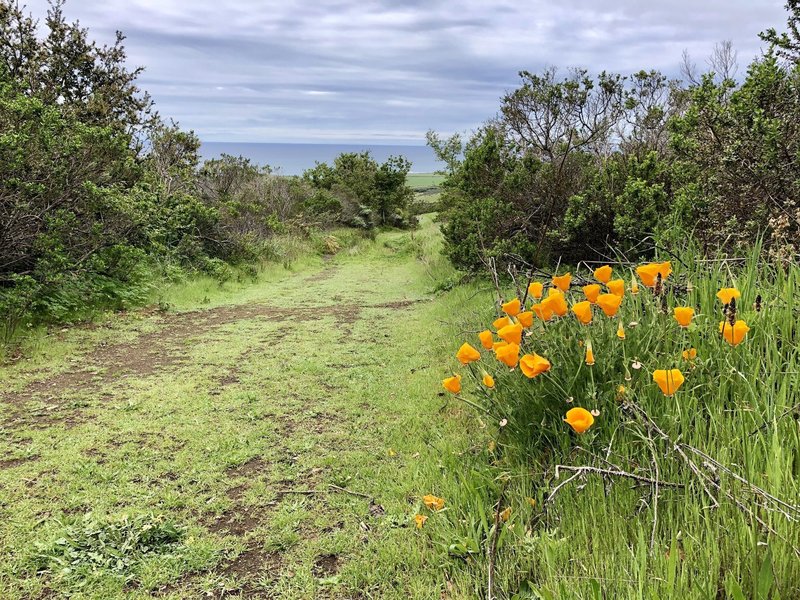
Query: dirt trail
(237, 420)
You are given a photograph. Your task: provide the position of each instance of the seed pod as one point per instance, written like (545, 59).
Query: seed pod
(732, 312)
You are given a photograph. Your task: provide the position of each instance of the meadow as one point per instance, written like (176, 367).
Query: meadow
(289, 437)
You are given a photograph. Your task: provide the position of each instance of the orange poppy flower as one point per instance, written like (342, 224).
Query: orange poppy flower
(452, 384)
(499, 344)
(579, 419)
(734, 334)
(668, 381)
(616, 287)
(556, 303)
(532, 365)
(620, 331)
(488, 380)
(591, 291)
(487, 339)
(728, 294)
(689, 354)
(525, 318)
(467, 354)
(683, 315)
(603, 274)
(511, 333)
(648, 273)
(433, 502)
(508, 355)
(589, 355)
(535, 289)
(512, 308)
(610, 303)
(498, 324)
(419, 521)
(583, 310)
(542, 311)
(562, 281)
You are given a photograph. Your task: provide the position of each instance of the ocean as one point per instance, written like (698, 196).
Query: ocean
(293, 159)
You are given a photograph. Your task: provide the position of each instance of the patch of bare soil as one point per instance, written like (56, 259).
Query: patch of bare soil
(325, 565)
(10, 463)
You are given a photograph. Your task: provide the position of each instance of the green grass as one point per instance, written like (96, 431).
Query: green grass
(228, 425)
(192, 452)
(424, 181)
(602, 537)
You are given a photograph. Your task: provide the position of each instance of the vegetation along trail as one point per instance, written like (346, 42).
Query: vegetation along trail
(265, 440)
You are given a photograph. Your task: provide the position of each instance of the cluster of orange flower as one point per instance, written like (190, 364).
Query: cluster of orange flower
(509, 328)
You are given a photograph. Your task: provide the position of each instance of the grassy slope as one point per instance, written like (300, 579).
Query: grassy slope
(213, 418)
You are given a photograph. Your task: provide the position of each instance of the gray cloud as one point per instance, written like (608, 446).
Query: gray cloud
(341, 70)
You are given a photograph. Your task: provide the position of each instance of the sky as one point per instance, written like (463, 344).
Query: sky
(383, 71)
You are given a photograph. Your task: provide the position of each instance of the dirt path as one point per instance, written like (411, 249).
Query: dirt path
(242, 424)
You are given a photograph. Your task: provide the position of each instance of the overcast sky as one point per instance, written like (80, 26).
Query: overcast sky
(385, 71)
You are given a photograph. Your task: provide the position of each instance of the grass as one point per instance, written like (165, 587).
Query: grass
(424, 181)
(227, 423)
(601, 537)
(204, 450)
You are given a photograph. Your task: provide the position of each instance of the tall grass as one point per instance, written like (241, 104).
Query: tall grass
(732, 425)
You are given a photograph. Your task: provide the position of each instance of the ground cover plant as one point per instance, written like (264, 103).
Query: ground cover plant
(640, 432)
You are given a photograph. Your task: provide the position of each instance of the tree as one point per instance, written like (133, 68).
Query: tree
(67, 69)
(786, 44)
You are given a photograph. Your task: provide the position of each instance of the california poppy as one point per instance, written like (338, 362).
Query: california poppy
(498, 324)
(452, 384)
(556, 303)
(589, 354)
(505, 514)
(532, 365)
(488, 380)
(419, 521)
(467, 354)
(734, 334)
(603, 274)
(620, 331)
(616, 287)
(513, 307)
(499, 344)
(610, 303)
(683, 315)
(525, 318)
(542, 311)
(535, 289)
(579, 419)
(689, 354)
(562, 281)
(486, 338)
(583, 310)
(508, 355)
(668, 381)
(511, 333)
(649, 273)
(433, 502)
(634, 287)
(591, 291)
(728, 294)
